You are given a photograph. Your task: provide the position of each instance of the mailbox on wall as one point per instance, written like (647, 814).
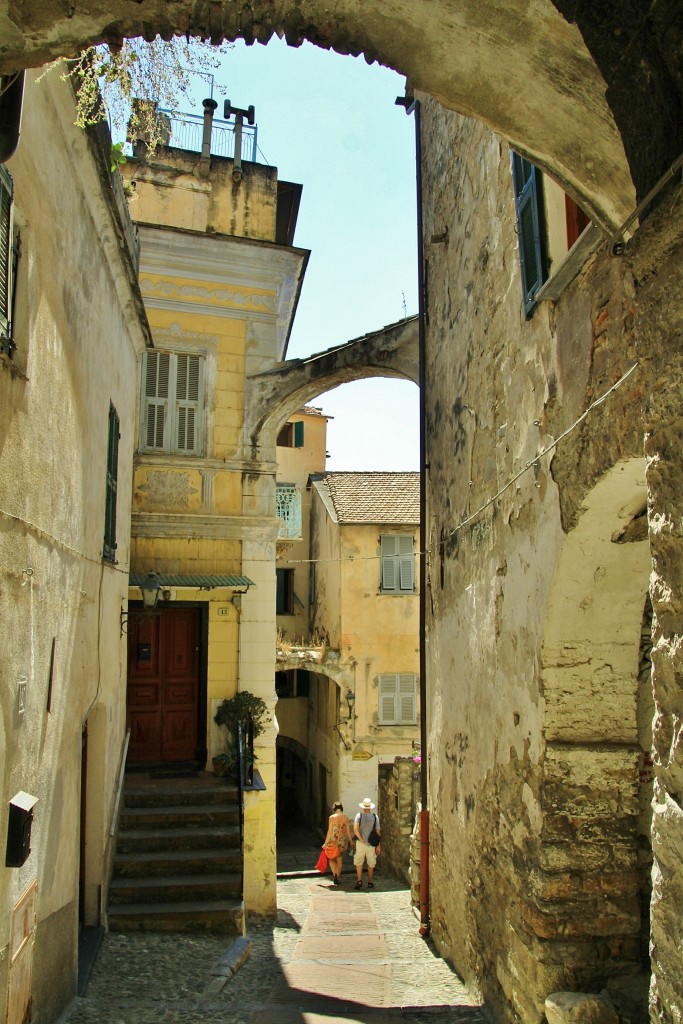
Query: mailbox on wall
(19, 829)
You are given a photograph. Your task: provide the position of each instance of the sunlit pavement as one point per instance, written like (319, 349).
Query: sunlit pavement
(333, 955)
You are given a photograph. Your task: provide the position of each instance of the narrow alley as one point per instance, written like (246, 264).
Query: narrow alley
(332, 954)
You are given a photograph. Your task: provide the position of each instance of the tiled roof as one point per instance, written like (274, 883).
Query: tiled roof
(312, 410)
(374, 497)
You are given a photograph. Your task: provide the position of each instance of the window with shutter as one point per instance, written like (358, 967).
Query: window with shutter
(172, 393)
(530, 228)
(109, 548)
(397, 698)
(8, 256)
(397, 560)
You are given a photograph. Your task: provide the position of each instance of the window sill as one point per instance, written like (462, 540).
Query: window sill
(571, 265)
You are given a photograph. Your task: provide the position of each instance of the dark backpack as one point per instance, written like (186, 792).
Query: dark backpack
(373, 838)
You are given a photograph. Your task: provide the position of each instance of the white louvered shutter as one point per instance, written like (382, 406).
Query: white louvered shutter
(407, 702)
(406, 562)
(388, 552)
(388, 688)
(157, 370)
(187, 403)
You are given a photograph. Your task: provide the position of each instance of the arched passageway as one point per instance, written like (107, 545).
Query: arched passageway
(573, 87)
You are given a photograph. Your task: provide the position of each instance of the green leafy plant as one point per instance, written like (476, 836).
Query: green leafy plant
(239, 710)
(117, 156)
(108, 79)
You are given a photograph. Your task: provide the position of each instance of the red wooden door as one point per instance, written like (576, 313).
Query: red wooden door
(163, 685)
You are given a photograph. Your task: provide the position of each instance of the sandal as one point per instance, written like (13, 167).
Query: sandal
(359, 884)
(371, 885)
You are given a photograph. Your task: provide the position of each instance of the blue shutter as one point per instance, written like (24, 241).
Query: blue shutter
(6, 192)
(530, 227)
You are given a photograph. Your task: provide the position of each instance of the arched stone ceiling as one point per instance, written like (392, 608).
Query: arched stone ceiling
(521, 66)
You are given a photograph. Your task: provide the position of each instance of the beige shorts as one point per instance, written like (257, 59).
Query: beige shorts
(364, 852)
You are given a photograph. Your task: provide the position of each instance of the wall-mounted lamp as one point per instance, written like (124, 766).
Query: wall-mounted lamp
(150, 589)
(350, 700)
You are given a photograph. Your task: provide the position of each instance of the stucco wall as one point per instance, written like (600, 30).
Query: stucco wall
(507, 904)
(78, 338)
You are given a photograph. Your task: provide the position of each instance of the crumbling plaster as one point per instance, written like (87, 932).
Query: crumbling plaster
(534, 799)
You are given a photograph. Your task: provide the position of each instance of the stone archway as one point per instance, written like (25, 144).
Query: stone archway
(573, 88)
(587, 893)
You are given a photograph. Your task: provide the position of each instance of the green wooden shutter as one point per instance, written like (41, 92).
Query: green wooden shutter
(111, 485)
(156, 382)
(387, 698)
(6, 193)
(389, 562)
(187, 402)
(530, 227)
(299, 434)
(406, 563)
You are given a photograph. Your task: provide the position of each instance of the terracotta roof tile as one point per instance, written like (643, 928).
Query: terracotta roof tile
(375, 497)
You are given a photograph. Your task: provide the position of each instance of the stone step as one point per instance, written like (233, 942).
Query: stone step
(175, 889)
(179, 816)
(162, 839)
(206, 791)
(157, 863)
(225, 916)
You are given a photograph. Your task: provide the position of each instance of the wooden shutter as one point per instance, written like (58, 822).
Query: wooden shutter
(6, 192)
(528, 203)
(299, 434)
(156, 381)
(407, 702)
(389, 562)
(187, 402)
(388, 692)
(406, 563)
(111, 485)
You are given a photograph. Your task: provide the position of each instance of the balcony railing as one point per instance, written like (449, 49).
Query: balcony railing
(186, 132)
(288, 511)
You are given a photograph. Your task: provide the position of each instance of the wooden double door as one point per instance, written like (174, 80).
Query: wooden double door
(163, 701)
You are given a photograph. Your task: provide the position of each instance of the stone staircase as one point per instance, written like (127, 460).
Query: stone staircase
(178, 863)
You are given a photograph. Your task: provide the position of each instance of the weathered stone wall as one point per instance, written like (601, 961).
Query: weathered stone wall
(397, 807)
(535, 607)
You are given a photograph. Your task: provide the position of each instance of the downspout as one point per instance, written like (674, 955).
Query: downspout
(205, 158)
(413, 106)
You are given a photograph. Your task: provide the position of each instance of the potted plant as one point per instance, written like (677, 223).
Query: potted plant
(242, 709)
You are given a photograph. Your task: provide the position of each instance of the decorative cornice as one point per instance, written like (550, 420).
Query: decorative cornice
(145, 524)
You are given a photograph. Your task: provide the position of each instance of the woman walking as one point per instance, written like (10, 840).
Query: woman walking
(337, 840)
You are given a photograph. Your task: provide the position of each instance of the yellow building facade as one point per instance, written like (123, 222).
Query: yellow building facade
(220, 280)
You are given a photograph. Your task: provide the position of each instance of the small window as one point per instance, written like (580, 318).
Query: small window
(9, 258)
(291, 435)
(397, 698)
(109, 550)
(397, 563)
(530, 228)
(172, 397)
(284, 592)
(577, 221)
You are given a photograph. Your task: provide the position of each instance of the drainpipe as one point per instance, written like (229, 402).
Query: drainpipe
(413, 106)
(205, 159)
(11, 98)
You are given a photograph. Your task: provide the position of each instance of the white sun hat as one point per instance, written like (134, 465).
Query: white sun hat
(367, 805)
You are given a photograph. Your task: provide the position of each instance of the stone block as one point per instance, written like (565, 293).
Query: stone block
(578, 1008)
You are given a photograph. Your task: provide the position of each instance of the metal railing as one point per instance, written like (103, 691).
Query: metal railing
(186, 132)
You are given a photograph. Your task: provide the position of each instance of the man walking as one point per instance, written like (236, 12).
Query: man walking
(365, 823)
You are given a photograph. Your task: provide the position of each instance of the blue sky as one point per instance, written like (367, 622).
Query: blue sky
(331, 124)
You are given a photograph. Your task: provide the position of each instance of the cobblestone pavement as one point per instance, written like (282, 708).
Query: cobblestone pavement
(333, 954)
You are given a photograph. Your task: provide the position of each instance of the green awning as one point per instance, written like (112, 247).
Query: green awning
(193, 581)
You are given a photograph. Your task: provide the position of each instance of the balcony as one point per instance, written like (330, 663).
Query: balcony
(185, 131)
(288, 511)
